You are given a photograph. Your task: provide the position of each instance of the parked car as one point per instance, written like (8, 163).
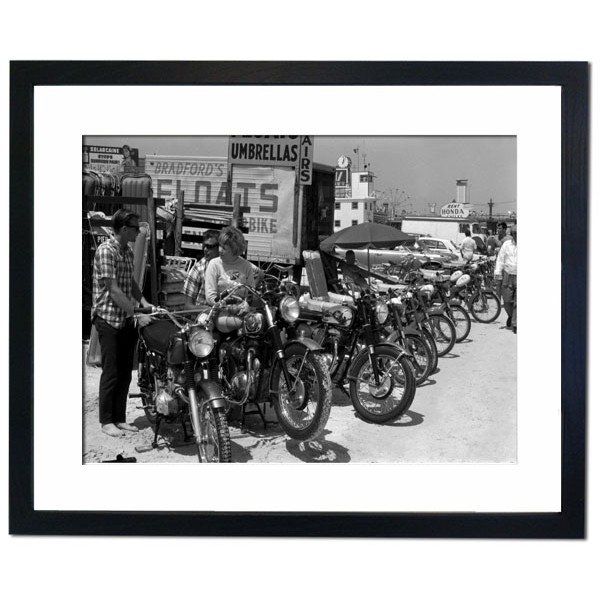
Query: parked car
(430, 245)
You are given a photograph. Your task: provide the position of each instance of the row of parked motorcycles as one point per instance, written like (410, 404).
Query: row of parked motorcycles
(267, 345)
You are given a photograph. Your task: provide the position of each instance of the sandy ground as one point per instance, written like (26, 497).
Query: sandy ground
(465, 413)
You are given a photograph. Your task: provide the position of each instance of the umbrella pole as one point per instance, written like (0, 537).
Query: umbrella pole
(369, 265)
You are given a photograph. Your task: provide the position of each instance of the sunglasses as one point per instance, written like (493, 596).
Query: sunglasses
(136, 227)
(210, 246)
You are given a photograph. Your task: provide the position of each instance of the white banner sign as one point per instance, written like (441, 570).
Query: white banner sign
(454, 210)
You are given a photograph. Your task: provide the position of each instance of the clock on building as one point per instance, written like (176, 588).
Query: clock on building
(343, 162)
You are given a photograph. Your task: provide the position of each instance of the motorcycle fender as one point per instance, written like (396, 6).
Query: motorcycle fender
(212, 392)
(389, 344)
(412, 331)
(308, 342)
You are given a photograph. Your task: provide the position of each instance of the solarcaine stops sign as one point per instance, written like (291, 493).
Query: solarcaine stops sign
(454, 210)
(274, 151)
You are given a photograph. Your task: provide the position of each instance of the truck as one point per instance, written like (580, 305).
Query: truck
(440, 227)
(280, 216)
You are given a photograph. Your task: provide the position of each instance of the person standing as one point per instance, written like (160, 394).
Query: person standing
(193, 287)
(506, 272)
(115, 294)
(468, 246)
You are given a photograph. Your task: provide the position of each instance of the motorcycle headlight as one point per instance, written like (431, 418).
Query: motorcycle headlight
(289, 308)
(382, 312)
(201, 343)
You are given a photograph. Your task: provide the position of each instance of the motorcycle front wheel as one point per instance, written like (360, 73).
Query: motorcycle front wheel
(395, 392)
(462, 322)
(485, 306)
(444, 333)
(214, 442)
(303, 413)
(420, 351)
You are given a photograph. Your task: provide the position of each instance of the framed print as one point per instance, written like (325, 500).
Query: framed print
(525, 124)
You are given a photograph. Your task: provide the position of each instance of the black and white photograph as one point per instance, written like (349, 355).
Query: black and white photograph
(300, 299)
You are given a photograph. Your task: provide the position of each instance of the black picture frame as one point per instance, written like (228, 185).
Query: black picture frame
(571, 77)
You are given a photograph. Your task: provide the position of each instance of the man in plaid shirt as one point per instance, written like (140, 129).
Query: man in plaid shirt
(115, 296)
(193, 287)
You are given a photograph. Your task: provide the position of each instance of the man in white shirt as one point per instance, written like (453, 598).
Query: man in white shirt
(468, 246)
(506, 271)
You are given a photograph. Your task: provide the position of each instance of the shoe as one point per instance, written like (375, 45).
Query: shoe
(126, 427)
(509, 321)
(112, 430)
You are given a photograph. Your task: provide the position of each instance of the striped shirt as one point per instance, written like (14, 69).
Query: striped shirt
(193, 287)
(113, 262)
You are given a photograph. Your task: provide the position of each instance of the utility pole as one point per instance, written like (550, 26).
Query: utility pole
(491, 204)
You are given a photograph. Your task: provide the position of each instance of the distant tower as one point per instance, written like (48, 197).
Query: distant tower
(461, 191)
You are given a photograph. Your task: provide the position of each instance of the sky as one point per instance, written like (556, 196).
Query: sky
(413, 171)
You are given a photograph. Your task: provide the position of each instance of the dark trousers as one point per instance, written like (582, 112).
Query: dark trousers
(509, 295)
(117, 347)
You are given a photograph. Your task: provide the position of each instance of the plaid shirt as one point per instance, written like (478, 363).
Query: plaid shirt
(115, 263)
(194, 282)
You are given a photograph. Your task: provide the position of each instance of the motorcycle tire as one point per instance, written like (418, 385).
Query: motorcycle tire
(420, 351)
(462, 322)
(302, 417)
(214, 445)
(444, 333)
(485, 306)
(396, 391)
(430, 341)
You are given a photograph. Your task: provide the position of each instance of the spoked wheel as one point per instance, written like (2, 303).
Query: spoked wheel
(388, 397)
(484, 305)
(303, 411)
(430, 341)
(420, 351)
(444, 333)
(461, 321)
(214, 442)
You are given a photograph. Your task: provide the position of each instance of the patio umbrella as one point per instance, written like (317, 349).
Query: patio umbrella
(365, 235)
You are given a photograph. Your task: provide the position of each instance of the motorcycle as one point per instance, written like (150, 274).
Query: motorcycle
(257, 362)
(445, 296)
(427, 320)
(380, 374)
(178, 381)
(481, 300)
(418, 343)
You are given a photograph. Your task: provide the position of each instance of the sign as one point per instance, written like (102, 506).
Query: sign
(454, 210)
(203, 180)
(306, 160)
(265, 195)
(109, 159)
(274, 151)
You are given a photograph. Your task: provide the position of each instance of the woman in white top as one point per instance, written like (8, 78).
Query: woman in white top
(229, 268)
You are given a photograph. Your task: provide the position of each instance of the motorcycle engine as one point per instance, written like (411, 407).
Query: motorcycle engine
(167, 402)
(240, 369)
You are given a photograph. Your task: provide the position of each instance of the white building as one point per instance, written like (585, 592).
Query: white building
(355, 200)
